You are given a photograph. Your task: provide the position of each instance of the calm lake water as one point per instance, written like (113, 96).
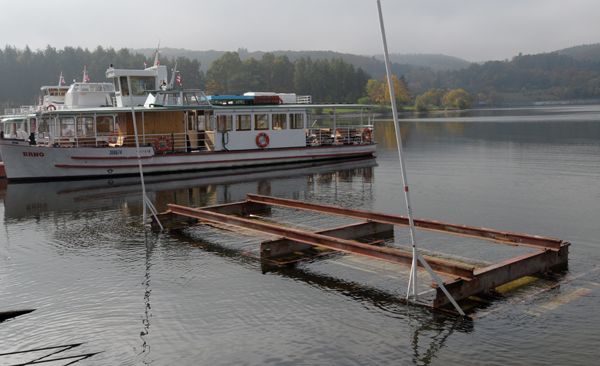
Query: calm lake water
(76, 252)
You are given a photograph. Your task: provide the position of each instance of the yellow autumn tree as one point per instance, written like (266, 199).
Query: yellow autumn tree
(378, 91)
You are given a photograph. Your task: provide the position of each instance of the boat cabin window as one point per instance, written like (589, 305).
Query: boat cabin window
(85, 126)
(33, 124)
(55, 92)
(105, 124)
(279, 121)
(124, 87)
(296, 121)
(261, 121)
(191, 125)
(201, 122)
(140, 84)
(243, 122)
(224, 123)
(67, 126)
(11, 128)
(210, 126)
(44, 127)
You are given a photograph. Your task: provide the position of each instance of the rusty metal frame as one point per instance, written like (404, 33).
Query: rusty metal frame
(325, 241)
(464, 230)
(465, 280)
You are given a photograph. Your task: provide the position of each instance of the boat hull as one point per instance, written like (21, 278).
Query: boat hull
(25, 162)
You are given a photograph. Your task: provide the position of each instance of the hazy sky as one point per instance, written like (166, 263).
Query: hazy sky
(476, 30)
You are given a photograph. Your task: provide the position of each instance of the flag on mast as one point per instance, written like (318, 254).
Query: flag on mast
(86, 77)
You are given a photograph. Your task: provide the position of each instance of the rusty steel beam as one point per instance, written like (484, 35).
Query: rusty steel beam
(343, 245)
(244, 208)
(497, 274)
(284, 247)
(463, 230)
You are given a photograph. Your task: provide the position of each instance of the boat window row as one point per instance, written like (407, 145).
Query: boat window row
(55, 92)
(77, 126)
(258, 122)
(92, 87)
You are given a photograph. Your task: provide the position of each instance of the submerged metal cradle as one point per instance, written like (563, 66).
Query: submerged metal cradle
(466, 280)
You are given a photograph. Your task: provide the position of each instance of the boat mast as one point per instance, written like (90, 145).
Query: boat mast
(412, 280)
(173, 74)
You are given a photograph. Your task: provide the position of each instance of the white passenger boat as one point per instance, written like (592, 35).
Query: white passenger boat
(93, 134)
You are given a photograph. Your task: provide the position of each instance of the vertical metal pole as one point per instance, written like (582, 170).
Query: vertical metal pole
(137, 150)
(412, 281)
(334, 130)
(145, 200)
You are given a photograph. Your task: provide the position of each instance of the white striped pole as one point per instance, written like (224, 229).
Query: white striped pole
(145, 200)
(412, 280)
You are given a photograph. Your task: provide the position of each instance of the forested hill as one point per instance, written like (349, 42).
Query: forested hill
(524, 79)
(24, 71)
(370, 64)
(572, 73)
(586, 52)
(436, 62)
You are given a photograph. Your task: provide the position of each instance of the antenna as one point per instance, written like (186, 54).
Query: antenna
(173, 75)
(156, 53)
(412, 279)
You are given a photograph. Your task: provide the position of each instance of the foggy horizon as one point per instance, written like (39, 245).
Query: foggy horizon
(474, 31)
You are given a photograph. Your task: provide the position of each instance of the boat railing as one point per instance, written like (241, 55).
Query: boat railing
(25, 109)
(341, 135)
(162, 143)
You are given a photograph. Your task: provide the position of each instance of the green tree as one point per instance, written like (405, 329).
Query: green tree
(457, 98)
(428, 100)
(225, 74)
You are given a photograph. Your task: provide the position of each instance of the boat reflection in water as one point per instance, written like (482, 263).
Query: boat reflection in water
(26, 200)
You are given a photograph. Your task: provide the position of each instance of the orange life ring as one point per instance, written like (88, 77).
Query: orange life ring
(262, 140)
(51, 107)
(162, 144)
(112, 138)
(367, 135)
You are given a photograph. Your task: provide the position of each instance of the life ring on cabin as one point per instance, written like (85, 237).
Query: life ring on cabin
(112, 138)
(162, 144)
(367, 135)
(51, 107)
(262, 140)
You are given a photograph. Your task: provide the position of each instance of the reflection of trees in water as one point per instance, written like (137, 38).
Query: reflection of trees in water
(385, 133)
(508, 128)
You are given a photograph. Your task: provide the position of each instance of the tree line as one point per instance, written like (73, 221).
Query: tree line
(24, 71)
(523, 79)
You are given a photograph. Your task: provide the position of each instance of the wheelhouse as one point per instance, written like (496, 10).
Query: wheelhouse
(53, 97)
